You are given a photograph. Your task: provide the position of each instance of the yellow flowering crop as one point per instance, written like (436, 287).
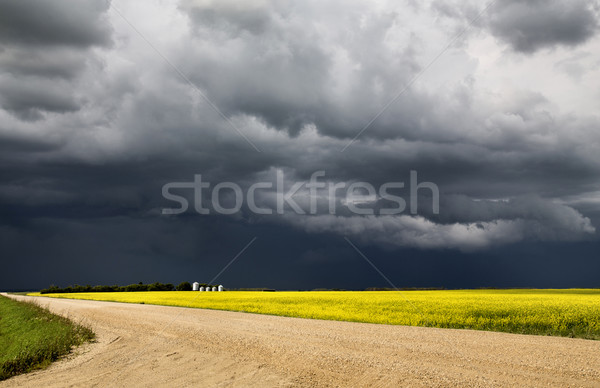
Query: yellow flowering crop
(573, 312)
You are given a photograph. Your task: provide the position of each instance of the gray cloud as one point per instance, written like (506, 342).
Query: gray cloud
(51, 62)
(536, 24)
(60, 22)
(301, 72)
(474, 225)
(116, 124)
(46, 48)
(228, 16)
(526, 26)
(27, 98)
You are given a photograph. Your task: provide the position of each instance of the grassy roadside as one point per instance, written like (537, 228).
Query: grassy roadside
(32, 337)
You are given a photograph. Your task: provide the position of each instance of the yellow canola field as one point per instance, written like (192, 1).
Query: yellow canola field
(573, 312)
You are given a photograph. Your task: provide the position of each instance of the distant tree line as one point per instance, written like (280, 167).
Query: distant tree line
(405, 289)
(184, 286)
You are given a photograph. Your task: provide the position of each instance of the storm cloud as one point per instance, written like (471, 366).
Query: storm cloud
(44, 47)
(534, 25)
(62, 22)
(96, 117)
(492, 223)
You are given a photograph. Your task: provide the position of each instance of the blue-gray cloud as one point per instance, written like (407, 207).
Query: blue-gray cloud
(529, 26)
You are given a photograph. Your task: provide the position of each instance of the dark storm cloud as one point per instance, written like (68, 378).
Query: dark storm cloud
(529, 26)
(465, 224)
(282, 78)
(228, 16)
(62, 62)
(471, 146)
(27, 97)
(299, 74)
(61, 22)
(89, 137)
(15, 144)
(45, 46)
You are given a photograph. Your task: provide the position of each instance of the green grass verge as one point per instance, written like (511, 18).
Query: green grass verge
(32, 337)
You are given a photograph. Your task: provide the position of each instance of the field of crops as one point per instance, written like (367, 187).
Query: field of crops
(572, 313)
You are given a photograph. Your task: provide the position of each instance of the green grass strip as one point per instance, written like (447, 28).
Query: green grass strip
(31, 337)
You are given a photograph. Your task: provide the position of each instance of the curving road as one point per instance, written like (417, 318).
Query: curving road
(144, 345)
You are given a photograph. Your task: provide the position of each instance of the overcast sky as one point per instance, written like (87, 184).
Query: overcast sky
(103, 103)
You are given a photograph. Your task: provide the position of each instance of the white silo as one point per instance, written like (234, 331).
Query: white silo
(195, 286)
(202, 288)
(220, 287)
(214, 289)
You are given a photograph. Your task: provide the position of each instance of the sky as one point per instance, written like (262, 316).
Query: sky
(476, 125)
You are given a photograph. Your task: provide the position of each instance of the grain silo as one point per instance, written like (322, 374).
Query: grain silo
(220, 287)
(195, 286)
(202, 288)
(214, 289)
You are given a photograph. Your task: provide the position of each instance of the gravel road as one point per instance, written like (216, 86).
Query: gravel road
(144, 345)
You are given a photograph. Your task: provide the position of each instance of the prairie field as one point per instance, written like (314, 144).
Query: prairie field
(569, 313)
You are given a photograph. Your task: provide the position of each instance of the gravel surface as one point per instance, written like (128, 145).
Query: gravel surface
(144, 345)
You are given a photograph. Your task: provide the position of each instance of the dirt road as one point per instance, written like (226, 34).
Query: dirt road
(144, 345)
